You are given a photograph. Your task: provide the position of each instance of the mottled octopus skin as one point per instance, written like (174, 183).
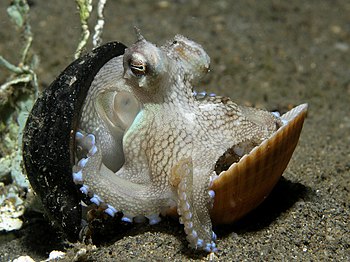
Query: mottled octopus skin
(48, 137)
(166, 156)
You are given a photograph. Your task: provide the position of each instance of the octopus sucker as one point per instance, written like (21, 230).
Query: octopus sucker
(193, 206)
(137, 139)
(99, 182)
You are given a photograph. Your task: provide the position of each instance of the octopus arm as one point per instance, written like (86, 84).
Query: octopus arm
(193, 204)
(118, 193)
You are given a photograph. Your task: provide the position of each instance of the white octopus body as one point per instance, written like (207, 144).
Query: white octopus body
(154, 144)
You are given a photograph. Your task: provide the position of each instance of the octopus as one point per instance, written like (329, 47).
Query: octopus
(148, 143)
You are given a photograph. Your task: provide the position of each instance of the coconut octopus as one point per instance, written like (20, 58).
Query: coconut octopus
(172, 140)
(138, 140)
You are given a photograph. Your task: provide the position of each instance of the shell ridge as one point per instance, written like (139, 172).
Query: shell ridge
(271, 150)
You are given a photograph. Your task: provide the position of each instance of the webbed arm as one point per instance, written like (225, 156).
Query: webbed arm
(115, 191)
(194, 202)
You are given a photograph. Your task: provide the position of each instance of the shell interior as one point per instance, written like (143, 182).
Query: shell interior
(248, 182)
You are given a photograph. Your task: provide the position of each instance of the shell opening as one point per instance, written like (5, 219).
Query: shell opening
(234, 155)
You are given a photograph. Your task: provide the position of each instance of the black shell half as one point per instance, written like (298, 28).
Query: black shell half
(49, 137)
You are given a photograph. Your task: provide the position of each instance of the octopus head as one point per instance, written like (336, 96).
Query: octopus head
(189, 55)
(145, 67)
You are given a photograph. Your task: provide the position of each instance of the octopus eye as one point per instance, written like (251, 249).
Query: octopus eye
(138, 68)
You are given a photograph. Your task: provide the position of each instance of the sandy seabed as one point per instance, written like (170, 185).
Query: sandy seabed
(272, 54)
